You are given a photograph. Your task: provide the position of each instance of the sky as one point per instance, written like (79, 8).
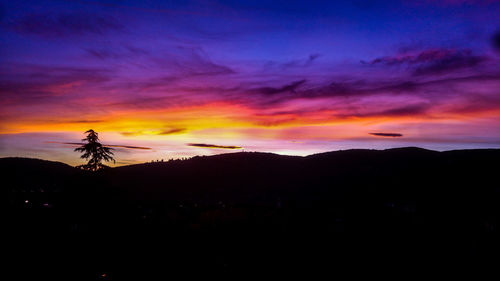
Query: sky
(174, 79)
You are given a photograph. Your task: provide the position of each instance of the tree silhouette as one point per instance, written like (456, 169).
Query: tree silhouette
(94, 151)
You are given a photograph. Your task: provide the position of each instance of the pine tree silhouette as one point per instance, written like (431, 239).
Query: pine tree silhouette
(94, 151)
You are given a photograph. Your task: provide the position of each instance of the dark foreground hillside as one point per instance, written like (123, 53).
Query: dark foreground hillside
(250, 213)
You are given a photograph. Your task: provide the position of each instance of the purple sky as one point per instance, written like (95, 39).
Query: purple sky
(291, 77)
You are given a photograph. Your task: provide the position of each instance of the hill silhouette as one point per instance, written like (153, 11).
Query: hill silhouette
(29, 173)
(233, 213)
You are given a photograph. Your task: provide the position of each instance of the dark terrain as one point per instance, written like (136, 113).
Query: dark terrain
(250, 213)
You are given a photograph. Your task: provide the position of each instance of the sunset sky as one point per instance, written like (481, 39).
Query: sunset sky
(170, 79)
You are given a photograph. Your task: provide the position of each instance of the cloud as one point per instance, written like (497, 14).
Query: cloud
(127, 134)
(191, 61)
(128, 146)
(347, 97)
(341, 97)
(449, 64)
(414, 109)
(124, 52)
(476, 103)
(495, 41)
(107, 145)
(284, 89)
(172, 131)
(432, 61)
(34, 83)
(65, 24)
(422, 57)
(408, 110)
(302, 62)
(393, 135)
(84, 121)
(350, 88)
(204, 145)
(103, 54)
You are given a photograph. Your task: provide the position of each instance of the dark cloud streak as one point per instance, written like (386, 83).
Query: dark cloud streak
(432, 61)
(204, 145)
(393, 135)
(172, 131)
(495, 41)
(284, 89)
(107, 145)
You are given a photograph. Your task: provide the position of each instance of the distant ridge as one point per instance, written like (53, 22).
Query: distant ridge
(13, 163)
(17, 171)
(256, 156)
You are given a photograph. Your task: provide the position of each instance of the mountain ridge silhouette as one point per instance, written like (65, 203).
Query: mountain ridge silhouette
(403, 151)
(238, 212)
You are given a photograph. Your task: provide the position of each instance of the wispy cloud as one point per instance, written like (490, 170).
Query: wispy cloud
(55, 25)
(190, 61)
(169, 131)
(293, 64)
(205, 145)
(495, 41)
(172, 131)
(25, 82)
(433, 61)
(393, 135)
(76, 144)
(117, 52)
(128, 146)
(289, 88)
